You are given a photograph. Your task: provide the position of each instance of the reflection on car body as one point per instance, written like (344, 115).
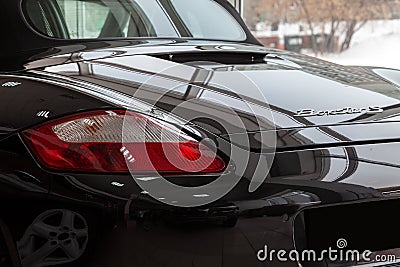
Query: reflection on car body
(296, 148)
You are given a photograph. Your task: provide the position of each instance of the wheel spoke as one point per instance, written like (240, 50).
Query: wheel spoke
(43, 230)
(81, 233)
(71, 248)
(68, 219)
(39, 255)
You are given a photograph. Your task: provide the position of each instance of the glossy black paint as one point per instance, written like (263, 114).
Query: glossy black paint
(325, 161)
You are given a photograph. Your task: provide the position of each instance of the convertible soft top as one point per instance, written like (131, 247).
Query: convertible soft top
(20, 41)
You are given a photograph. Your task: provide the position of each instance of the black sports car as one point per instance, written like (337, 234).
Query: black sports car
(161, 133)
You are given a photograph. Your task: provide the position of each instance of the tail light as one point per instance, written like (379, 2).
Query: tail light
(119, 141)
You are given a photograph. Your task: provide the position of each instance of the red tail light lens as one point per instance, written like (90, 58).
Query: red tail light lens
(119, 141)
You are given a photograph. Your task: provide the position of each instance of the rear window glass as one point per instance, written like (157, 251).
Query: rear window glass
(85, 19)
(89, 19)
(205, 19)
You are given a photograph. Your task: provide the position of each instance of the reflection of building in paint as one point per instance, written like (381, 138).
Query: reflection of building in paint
(292, 37)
